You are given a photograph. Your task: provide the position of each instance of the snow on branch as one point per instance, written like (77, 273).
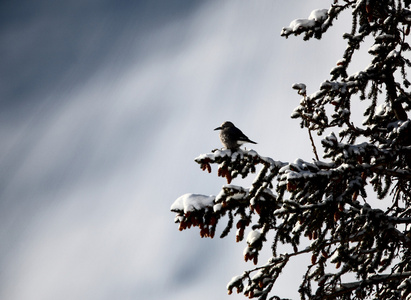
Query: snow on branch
(321, 208)
(314, 200)
(315, 25)
(192, 202)
(206, 211)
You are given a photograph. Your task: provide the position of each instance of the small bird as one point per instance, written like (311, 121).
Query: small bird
(231, 136)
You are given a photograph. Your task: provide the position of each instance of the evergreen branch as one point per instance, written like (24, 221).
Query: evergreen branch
(346, 288)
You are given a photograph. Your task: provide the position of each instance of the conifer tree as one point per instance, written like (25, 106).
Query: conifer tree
(324, 207)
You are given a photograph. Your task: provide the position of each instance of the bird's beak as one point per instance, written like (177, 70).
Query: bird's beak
(218, 128)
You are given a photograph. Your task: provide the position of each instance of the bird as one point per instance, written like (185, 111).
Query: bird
(232, 137)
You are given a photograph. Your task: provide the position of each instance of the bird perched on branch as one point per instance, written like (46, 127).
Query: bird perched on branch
(232, 137)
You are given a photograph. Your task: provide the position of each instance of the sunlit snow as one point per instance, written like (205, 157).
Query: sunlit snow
(192, 202)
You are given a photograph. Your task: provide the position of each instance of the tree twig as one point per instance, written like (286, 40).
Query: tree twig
(313, 144)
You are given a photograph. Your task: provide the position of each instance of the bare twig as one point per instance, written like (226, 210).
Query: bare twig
(313, 144)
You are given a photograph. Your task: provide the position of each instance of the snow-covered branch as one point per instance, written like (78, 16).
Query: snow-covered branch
(324, 207)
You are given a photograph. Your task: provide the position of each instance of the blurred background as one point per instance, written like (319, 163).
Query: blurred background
(104, 106)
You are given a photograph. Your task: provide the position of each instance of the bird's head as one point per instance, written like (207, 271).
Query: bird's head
(226, 124)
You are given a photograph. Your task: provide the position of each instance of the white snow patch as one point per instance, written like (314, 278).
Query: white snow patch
(301, 23)
(335, 256)
(318, 15)
(234, 280)
(393, 54)
(253, 236)
(301, 87)
(192, 202)
(217, 207)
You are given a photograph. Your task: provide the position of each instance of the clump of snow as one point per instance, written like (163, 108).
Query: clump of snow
(375, 49)
(192, 202)
(301, 87)
(212, 156)
(217, 207)
(335, 256)
(260, 274)
(318, 15)
(234, 281)
(393, 54)
(382, 109)
(297, 25)
(253, 236)
(301, 23)
(296, 228)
